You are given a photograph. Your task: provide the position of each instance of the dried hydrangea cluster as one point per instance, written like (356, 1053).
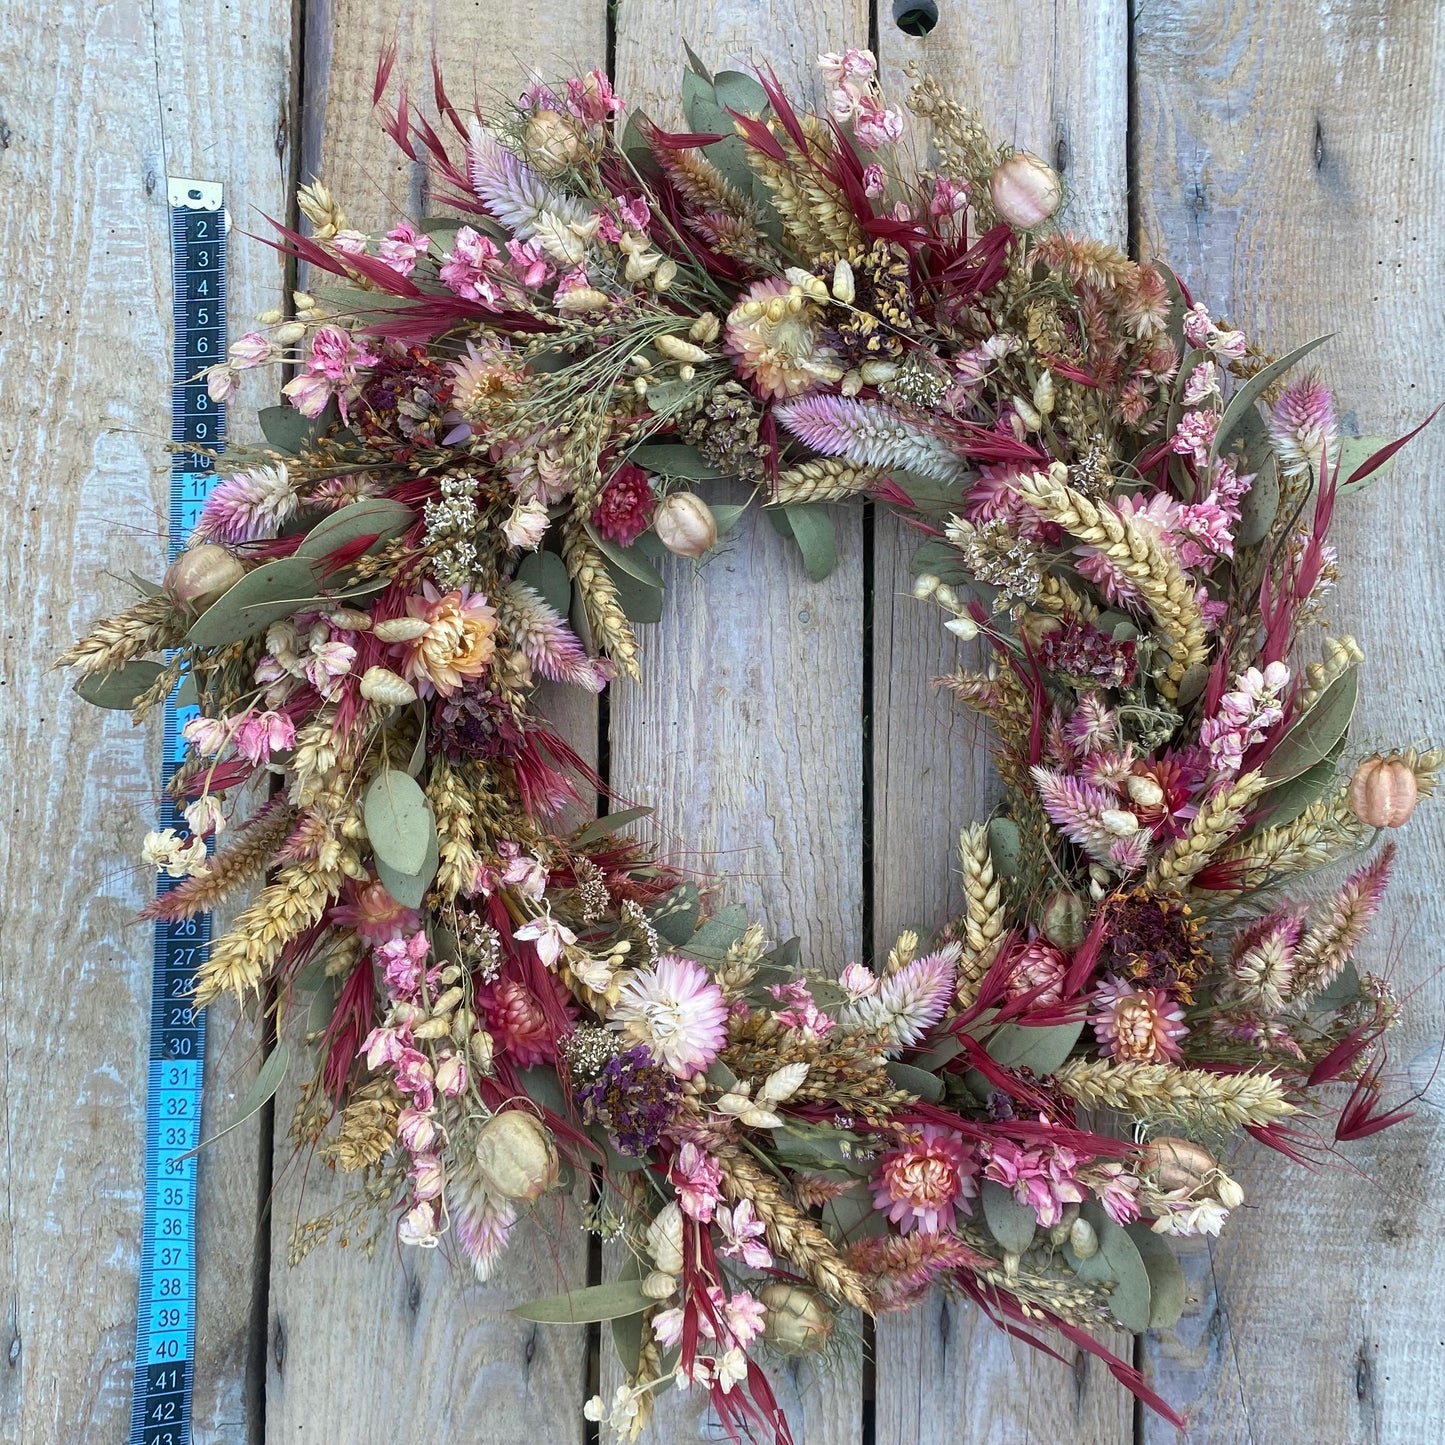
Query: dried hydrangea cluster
(502, 414)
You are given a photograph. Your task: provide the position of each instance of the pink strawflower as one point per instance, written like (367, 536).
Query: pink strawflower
(261, 734)
(676, 1009)
(1137, 1025)
(459, 642)
(624, 508)
(375, 915)
(467, 269)
(783, 355)
(1038, 965)
(697, 1178)
(923, 1184)
(403, 247)
(519, 1026)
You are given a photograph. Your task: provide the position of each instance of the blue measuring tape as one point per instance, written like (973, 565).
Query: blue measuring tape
(165, 1354)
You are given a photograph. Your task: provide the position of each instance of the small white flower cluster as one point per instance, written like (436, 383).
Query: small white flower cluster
(175, 856)
(450, 523)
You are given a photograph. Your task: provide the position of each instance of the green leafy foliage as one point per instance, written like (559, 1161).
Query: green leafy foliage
(398, 821)
(1319, 732)
(1166, 1278)
(1017, 1046)
(121, 688)
(1241, 404)
(1117, 1262)
(1010, 1222)
(620, 1298)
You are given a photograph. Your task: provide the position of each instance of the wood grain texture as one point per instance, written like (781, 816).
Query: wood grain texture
(453, 1361)
(746, 731)
(1289, 167)
(97, 105)
(1051, 79)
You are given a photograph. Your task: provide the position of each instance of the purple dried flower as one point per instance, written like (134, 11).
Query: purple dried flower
(632, 1098)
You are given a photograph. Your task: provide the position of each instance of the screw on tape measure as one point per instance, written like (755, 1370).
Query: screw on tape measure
(166, 1321)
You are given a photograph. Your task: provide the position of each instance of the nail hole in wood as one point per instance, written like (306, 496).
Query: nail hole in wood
(915, 17)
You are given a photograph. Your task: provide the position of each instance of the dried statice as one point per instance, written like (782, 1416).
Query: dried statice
(633, 1098)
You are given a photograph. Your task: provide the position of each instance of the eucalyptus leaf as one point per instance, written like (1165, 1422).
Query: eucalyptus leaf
(695, 66)
(712, 941)
(672, 459)
(1004, 846)
(917, 1081)
(666, 397)
(1242, 403)
(853, 1215)
(409, 889)
(121, 688)
(725, 515)
(1010, 1222)
(610, 823)
(1352, 453)
(1259, 506)
(817, 538)
(418, 751)
(322, 1006)
(738, 91)
(817, 1147)
(588, 1306)
(285, 428)
(546, 574)
(398, 821)
(269, 1078)
(1166, 1278)
(675, 918)
(1286, 802)
(635, 147)
(627, 1329)
(942, 559)
(1343, 989)
(372, 516)
(1042, 1049)
(639, 602)
(543, 1087)
(625, 559)
(1312, 739)
(1118, 1261)
(1193, 683)
(186, 693)
(266, 594)
(699, 103)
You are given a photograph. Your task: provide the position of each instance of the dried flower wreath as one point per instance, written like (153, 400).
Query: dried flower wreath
(494, 418)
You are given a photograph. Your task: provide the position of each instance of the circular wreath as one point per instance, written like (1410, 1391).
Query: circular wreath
(493, 431)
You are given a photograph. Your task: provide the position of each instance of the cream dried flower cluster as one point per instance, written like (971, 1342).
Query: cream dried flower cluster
(501, 419)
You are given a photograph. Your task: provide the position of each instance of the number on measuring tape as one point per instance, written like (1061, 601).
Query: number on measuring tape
(166, 1319)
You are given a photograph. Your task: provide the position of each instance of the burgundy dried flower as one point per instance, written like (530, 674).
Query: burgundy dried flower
(475, 723)
(1083, 651)
(624, 509)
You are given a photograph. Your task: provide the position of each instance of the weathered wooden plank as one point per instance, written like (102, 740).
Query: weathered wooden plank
(746, 733)
(1053, 80)
(98, 105)
(411, 1347)
(1289, 157)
